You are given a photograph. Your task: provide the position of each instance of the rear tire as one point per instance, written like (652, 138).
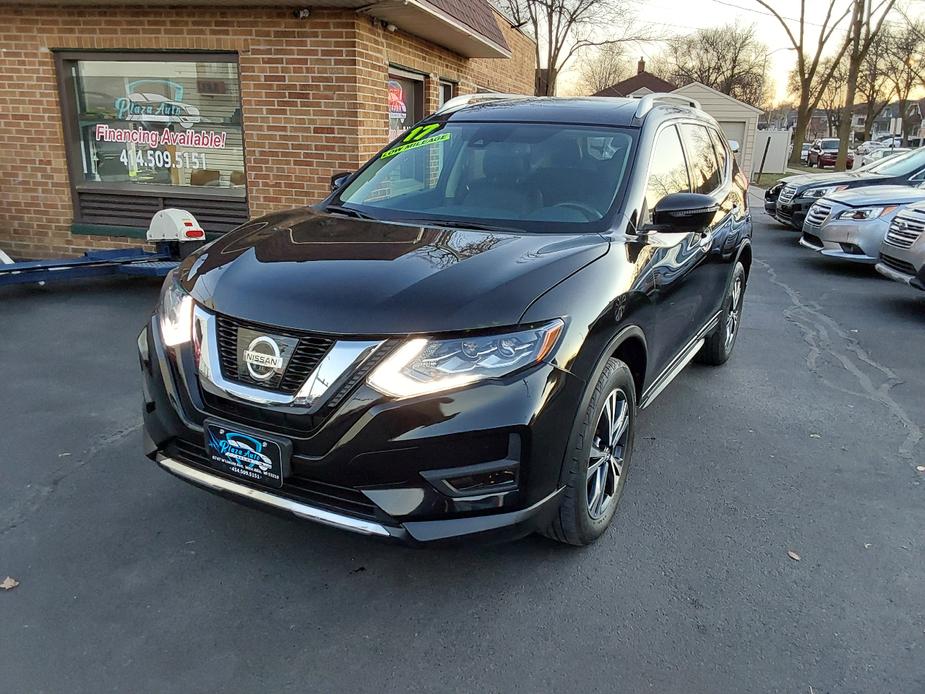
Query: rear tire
(598, 457)
(719, 344)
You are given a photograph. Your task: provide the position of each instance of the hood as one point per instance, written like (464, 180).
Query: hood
(324, 273)
(852, 178)
(878, 195)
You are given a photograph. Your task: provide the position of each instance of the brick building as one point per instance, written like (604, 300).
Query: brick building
(109, 113)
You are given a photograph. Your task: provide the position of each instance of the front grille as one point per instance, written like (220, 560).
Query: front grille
(905, 230)
(786, 195)
(897, 264)
(278, 420)
(308, 352)
(321, 494)
(818, 213)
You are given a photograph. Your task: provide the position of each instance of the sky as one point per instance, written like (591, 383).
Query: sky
(686, 16)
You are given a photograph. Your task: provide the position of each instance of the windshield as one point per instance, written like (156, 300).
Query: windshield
(830, 144)
(899, 165)
(527, 176)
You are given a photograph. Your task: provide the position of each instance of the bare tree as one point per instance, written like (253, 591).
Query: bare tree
(730, 59)
(832, 98)
(873, 81)
(603, 68)
(563, 28)
(867, 18)
(905, 66)
(812, 77)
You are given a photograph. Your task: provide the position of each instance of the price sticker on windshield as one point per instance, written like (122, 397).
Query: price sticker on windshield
(418, 137)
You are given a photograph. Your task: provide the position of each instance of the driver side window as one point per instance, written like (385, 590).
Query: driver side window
(667, 170)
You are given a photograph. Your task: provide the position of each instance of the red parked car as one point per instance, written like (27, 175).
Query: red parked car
(825, 152)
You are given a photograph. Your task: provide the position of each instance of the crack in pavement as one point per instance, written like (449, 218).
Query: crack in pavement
(39, 494)
(817, 329)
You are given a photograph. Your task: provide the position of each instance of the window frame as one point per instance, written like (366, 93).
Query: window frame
(442, 83)
(71, 131)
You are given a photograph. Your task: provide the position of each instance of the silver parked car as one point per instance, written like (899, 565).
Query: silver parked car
(852, 223)
(902, 254)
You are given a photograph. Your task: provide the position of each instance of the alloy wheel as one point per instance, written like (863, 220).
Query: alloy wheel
(735, 312)
(608, 451)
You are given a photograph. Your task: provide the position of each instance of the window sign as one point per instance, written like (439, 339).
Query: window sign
(143, 122)
(405, 104)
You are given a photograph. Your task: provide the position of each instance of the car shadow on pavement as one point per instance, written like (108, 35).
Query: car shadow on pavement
(905, 309)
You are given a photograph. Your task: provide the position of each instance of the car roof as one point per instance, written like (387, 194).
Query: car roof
(590, 110)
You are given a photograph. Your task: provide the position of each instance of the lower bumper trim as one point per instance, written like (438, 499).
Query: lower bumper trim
(853, 257)
(296, 508)
(894, 275)
(811, 246)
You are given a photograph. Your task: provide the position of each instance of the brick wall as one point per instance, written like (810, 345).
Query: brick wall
(377, 49)
(314, 100)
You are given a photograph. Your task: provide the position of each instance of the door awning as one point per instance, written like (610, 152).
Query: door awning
(467, 27)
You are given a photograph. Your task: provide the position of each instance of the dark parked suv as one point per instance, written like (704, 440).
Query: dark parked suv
(457, 341)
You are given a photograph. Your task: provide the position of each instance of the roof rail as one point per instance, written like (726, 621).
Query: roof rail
(468, 99)
(648, 101)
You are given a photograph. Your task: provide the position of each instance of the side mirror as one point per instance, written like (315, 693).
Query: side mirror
(734, 146)
(339, 179)
(684, 212)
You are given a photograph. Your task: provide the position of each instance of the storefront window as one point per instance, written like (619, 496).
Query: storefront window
(165, 122)
(406, 103)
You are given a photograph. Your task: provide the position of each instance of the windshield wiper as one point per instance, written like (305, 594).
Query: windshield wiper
(459, 224)
(347, 211)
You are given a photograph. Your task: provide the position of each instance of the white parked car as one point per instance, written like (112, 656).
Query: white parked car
(882, 153)
(868, 147)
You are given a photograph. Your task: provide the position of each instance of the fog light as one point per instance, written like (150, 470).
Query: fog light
(486, 482)
(489, 477)
(851, 249)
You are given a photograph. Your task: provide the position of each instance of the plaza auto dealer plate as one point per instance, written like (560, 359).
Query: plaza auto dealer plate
(249, 455)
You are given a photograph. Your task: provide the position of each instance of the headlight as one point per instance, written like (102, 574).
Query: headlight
(422, 366)
(822, 191)
(176, 312)
(862, 213)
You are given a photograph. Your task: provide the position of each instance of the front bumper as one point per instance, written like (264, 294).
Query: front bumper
(850, 240)
(794, 212)
(377, 466)
(903, 265)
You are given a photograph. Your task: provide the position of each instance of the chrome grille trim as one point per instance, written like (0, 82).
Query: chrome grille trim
(342, 359)
(787, 194)
(818, 213)
(905, 230)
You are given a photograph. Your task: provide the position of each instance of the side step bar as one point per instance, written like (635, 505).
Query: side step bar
(677, 364)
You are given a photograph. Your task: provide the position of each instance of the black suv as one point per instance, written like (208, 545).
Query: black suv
(790, 199)
(456, 342)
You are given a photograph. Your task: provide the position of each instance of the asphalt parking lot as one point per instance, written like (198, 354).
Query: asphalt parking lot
(806, 441)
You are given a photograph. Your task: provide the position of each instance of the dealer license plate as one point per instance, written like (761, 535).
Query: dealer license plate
(250, 455)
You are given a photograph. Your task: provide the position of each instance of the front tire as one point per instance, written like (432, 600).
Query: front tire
(719, 344)
(598, 457)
